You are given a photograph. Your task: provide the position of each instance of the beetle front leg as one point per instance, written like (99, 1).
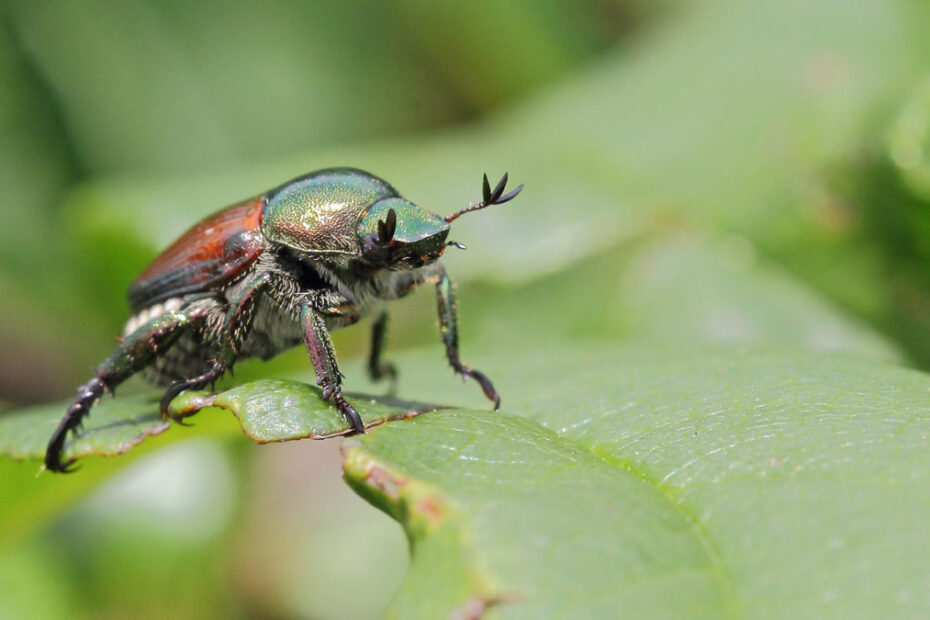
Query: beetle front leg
(323, 357)
(136, 351)
(448, 327)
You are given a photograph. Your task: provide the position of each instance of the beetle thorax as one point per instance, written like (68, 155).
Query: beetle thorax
(319, 214)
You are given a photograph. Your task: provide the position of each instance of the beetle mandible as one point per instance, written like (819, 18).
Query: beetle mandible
(314, 254)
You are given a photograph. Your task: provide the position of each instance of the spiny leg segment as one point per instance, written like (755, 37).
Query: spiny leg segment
(135, 352)
(448, 327)
(236, 325)
(323, 357)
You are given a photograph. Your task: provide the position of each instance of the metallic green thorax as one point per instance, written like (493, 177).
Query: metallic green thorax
(319, 213)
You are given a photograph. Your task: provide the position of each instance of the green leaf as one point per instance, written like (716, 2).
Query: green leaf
(272, 410)
(502, 511)
(269, 410)
(664, 484)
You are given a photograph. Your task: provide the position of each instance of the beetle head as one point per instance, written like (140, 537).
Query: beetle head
(396, 234)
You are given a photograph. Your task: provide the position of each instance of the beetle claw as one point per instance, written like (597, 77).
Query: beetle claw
(70, 467)
(486, 386)
(351, 415)
(197, 383)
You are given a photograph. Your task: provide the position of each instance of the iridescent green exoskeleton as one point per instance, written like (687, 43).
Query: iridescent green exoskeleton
(312, 255)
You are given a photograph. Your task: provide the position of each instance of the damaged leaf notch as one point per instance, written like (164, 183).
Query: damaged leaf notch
(436, 529)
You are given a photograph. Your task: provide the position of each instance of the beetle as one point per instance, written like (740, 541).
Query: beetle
(287, 266)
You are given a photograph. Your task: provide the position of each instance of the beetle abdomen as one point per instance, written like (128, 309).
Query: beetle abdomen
(145, 315)
(214, 251)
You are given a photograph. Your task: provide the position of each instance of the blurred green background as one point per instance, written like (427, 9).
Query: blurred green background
(704, 172)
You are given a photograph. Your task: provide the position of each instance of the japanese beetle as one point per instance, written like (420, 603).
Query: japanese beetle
(314, 254)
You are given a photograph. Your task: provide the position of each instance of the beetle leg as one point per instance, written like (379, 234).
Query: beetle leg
(448, 327)
(320, 349)
(236, 326)
(216, 370)
(401, 285)
(239, 317)
(378, 369)
(135, 352)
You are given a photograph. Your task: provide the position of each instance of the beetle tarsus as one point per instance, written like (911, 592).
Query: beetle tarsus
(448, 327)
(486, 385)
(210, 377)
(348, 411)
(320, 348)
(53, 453)
(334, 393)
(71, 422)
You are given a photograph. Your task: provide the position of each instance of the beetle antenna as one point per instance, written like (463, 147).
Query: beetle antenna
(460, 246)
(489, 197)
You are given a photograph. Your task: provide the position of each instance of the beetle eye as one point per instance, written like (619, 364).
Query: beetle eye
(387, 228)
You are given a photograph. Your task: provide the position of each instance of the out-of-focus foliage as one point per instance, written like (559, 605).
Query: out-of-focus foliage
(736, 174)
